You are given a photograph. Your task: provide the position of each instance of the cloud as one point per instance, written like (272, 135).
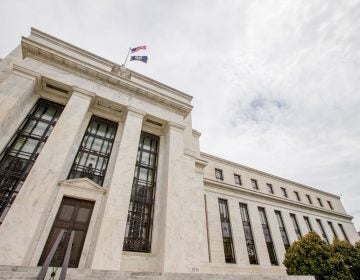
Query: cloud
(275, 83)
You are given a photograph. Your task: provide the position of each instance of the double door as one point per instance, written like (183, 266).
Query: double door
(73, 215)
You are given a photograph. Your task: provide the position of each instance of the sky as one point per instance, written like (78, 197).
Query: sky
(276, 84)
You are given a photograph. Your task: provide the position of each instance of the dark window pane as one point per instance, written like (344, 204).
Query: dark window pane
(94, 151)
(20, 154)
(226, 232)
(139, 221)
(250, 243)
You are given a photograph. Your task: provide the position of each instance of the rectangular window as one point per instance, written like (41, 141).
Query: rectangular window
(237, 179)
(267, 236)
(226, 232)
(94, 152)
(323, 233)
(219, 174)
(309, 198)
(308, 224)
(297, 196)
(282, 228)
(296, 226)
(270, 188)
(254, 184)
(343, 232)
(330, 205)
(250, 243)
(320, 202)
(141, 207)
(22, 150)
(333, 229)
(284, 192)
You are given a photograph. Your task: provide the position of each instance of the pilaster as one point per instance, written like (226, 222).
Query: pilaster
(109, 246)
(17, 96)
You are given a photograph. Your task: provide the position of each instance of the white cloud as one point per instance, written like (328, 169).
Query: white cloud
(275, 83)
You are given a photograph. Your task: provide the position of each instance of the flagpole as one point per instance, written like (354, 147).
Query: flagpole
(127, 56)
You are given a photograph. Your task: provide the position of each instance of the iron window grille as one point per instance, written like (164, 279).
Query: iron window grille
(333, 229)
(296, 226)
(24, 147)
(267, 236)
(140, 215)
(237, 179)
(94, 152)
(219, 174)
(249, 238)
(282, 228)
(323, 233)
(226, 232)
(343, 232)
(308, 224)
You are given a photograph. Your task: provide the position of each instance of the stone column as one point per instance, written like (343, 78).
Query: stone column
(24, 222)
(16, 98)
(181, 244)
(258, 233)
(108, 249)
(275, 234)
(215, 232)
(238, 234)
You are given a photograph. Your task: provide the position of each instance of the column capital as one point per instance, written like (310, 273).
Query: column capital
(174, 125)
(135, 112)
(83, 92)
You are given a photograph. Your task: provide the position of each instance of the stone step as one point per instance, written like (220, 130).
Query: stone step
(30, 273)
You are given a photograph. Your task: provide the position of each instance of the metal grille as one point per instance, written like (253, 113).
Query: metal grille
(22, 150)
(296, 226)
(139, 220)
(93, 156)
(226, 232)
(267, 236)
(250, 243)
(284, 235)
(323, 233)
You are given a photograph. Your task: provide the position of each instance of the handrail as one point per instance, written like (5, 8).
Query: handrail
(51, 254)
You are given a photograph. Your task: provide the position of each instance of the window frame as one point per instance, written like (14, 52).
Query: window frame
(270, 188)
(237, 176)
(221, 174)
(284, 192)
(254, 184)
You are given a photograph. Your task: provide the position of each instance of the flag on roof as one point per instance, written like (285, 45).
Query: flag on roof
(142, 58)
(138, 49)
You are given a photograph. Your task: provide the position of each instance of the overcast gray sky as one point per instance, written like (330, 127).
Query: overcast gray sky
(276, 84)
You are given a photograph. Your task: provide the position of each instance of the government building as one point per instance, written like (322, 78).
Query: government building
(105, 159)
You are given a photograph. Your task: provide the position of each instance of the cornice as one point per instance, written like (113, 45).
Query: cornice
(39, 51)
(268, 197)
(250, 169)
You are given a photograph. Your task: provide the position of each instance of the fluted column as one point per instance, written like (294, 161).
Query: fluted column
(23, 224)
(108, 250)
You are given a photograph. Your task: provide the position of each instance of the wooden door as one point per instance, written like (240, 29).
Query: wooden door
(73, 215)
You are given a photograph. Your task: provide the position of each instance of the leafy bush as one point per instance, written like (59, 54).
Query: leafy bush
(312, 256)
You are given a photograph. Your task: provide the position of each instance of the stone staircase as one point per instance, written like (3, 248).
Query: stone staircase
(30, 273)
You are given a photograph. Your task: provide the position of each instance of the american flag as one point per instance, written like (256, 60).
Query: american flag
(138, 49)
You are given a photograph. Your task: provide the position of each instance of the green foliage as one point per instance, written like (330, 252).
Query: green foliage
(312, 256)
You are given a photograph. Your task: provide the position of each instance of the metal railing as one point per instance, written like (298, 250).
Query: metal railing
(51, 254)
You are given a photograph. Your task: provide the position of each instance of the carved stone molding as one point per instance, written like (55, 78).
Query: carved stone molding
(121, 71)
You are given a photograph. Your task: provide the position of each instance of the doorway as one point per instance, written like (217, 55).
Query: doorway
(73, 215)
